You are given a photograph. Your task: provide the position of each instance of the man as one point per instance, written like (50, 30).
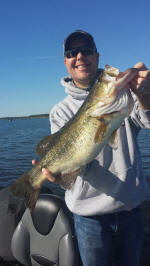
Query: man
(106, 199)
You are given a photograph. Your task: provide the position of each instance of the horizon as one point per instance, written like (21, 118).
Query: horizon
(26, 116)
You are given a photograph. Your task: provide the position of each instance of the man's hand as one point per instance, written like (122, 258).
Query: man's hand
(57, 177)
(46, 172)
(140, 85)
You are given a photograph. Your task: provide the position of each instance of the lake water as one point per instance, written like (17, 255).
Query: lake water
(18, 140)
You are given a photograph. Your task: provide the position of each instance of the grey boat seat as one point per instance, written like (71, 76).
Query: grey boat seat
(11, 211)
(45, 236)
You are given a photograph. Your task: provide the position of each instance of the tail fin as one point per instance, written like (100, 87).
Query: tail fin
(23, 189)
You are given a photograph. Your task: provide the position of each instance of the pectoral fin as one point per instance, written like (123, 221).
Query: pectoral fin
(113, 141)
(102, 129)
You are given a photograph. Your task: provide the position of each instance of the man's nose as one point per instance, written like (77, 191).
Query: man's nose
(79, 55)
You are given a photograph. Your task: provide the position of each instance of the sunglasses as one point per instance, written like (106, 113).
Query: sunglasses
(85, 50)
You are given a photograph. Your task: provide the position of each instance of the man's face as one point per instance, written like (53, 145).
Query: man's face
(82, 68)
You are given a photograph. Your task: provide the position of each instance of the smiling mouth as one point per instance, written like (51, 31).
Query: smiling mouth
(82, 67)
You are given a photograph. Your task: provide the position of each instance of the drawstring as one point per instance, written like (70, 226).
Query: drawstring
(115, 223)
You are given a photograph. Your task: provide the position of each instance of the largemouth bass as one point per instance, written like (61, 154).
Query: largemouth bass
(83, 137)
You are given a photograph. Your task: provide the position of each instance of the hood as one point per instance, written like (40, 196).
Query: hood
(72, 90)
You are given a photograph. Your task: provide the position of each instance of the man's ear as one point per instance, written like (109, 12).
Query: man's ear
(65, 60)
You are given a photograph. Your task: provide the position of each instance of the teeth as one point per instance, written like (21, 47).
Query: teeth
(81, 67)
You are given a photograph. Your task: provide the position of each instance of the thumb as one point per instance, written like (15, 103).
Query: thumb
(140, 66)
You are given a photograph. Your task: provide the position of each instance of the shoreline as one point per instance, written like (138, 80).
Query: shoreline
(25, 117)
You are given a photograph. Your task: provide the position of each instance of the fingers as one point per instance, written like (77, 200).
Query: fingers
(140, 85)
(145, 74)
(34, 162)
(48, 174)
(140, 66)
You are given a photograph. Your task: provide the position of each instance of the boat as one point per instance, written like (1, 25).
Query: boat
(46, 235)
(42, 237)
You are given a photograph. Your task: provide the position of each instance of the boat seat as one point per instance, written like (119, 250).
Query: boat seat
(11, 211)
(45, 236)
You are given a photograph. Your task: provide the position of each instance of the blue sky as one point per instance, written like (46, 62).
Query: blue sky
(31, 53)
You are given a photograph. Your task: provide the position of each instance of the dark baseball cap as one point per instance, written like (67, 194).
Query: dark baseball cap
(79, 34)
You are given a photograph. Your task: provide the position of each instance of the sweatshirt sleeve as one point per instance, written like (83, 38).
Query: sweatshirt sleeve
(140, 117)
(57, 119)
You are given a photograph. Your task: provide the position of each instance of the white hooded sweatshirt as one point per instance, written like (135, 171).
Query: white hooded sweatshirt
(114, 181)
